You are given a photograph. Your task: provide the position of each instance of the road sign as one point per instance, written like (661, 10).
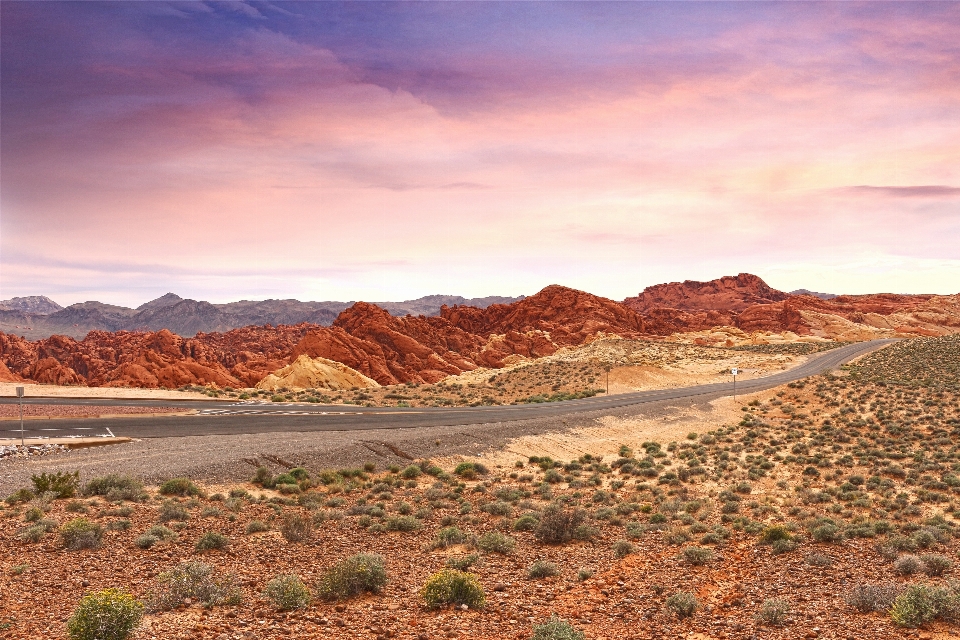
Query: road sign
(735, 371)
(19, 392)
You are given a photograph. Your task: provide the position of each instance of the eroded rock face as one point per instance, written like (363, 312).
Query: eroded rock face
(727, 294)
(390, 350)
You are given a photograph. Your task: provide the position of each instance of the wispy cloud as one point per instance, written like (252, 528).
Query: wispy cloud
(914, 191)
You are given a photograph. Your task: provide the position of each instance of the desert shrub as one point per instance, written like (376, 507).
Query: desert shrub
(20, 495)
(364, 572)
(936, 564)
(256, 526)
(195, 580)
(527, 522)
(448, 536)
(470, 470)
(33, 514)
(287, 592)
(411, 472)
(773, 533)
(498, 508)
(61, 483)
(180, 487)
(161, 532)
(146, 541)
(80, 533)
(212, 540)
(683, 604)
(818, 560)
(115, 487)
(32, 534)
(922, 603)
(783, 546)
(872, 597)
(542, 569)
(698, 555)
(462, 563)
(76, 506)
(773, 612)
(403, 523)
(622, 548)
(450, 586)
(105, 615)
(557, 629)
(494, 542)
(171, 510)
(296, 527)
(826, 532)
(262, 477)
(558, 524)
(907, 565)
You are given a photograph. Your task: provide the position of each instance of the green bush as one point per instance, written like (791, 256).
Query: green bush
(921, 603)
(180, 487)
(105, 615)
(364, 572)
(63, 484)
(195, 580)
(411, 472)
(146, 541)
(80, 533)
(296, 527)
(403, 523)
(558, 524)
(33, 514)
(463, 562)
(526, 522)
(450, 586)
(171, 510)
(698, 555)
(557, 629)
(542, 569)
(936, 564)
(622, 548)
(256, 526)
(774, 533)
(498, 508)
(470, 470)
(212, 540)
(826, 533)
(683, 604)
(287, 592)
(115, 487)
(20, 495)
(494, 542)
(447, 537)
(263, 477)
(773, 612)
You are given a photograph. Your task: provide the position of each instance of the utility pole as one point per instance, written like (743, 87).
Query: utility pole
(734, 371)
(20, 398)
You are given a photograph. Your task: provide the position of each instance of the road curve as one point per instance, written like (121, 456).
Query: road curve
(229, 418)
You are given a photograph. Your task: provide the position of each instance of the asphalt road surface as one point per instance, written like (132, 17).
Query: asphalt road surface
(230, 418)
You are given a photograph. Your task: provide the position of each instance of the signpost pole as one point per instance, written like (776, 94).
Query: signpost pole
(20, 398)
(734, 371)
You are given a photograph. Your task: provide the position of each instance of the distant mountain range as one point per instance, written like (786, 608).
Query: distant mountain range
(38, 317)
(815, 294)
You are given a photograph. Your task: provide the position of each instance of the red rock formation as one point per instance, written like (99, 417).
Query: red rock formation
(726, 294)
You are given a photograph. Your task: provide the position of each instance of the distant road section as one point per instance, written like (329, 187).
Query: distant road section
(231, 418)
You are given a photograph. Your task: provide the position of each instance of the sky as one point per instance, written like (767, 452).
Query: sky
(386, 151)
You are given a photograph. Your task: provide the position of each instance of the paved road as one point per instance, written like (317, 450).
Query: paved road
(224, 418)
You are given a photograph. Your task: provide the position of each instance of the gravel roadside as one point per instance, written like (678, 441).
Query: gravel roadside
(224, 459)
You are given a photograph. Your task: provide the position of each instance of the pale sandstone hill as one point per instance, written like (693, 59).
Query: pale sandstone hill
(316, 373)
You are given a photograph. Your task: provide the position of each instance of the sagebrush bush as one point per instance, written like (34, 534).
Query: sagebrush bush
(212, 540)
(622, 548)
(403, 523)
(81, 533)
(683, 604)
(146, 541)
(411, 472)
(873, 597)
(296, 527)
(450, 586)
(526, 522)
(171, 510)
(256, 526)
(907, 565)
(698, 555)
(105, 615)
(180, 487)
(62, 484)
(462, 563)
(773, 612)
(774, 533)
(195, 580)
(542, 569)
(494, 542)
(558, 524)
(287, 592)
(364, 572)
(115, 487)
(935, 564)
(922, 603)
(446, 537)
(557, 629)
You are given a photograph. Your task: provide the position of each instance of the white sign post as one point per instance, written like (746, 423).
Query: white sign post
(20, 398)
(735, 371)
